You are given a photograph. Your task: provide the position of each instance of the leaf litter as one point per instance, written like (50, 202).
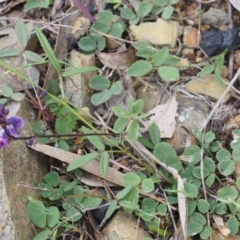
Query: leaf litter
(114, 63)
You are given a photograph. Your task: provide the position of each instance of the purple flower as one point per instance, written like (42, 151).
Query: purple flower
(14, 124)
(40, 93)
(3, 138)
(10, 126)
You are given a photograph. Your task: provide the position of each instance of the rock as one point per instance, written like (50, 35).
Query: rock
(151, 95)
(16, 62)
(18, 164)
(124, 226)
(160, 33)
(191, 113)
(190, 37)
(77, 85)
(208, 86)
(215, 17)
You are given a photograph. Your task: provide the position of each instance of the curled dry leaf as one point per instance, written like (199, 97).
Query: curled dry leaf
(118, 60)
(182, 206)
(236, 4)
(164, 116)
(219, 224)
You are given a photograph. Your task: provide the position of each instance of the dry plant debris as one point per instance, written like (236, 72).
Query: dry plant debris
(115, 155)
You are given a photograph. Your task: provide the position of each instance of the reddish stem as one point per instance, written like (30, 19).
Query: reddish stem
(84, 10)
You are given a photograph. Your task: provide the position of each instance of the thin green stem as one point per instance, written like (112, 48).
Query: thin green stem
(20, 75)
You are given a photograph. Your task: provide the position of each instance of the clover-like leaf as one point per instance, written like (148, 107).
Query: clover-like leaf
(191, 190)
(148, 209)
(53, 216)
(144, 9)
(112, 207)
(6, 91)
(147, 185)
(130, 179)
(223, 154)
(95, 140)
(226, 167)
(203, 205)
(52, 178)
(116, 88)
(193, 228)
(233, 225)
(160, 56)
(168, 73)
(133, 130)
(206, 232)
(167, 12)
(43, 235)
(87, 44)
(36, 213)
(99, 83)
(227, 194)
(101, 97)
(79, 161)
(127, 13)
(154, 133)
(139, 68)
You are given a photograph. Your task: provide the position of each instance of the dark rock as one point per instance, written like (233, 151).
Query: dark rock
(214, 43)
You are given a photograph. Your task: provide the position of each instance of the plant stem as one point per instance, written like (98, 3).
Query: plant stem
(63, 135)
(20, 75)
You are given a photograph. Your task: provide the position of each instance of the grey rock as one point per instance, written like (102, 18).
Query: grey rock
(215, 17)
(18, 164)
(124, 226)
(77, 86)
(191, 112)
(151, 95)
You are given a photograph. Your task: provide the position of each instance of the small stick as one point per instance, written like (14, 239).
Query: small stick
(63, 135)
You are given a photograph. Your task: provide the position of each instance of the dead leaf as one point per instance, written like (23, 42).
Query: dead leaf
(92, 167)
(67, 157)
(236, 4)
(161, 32)
(219, 224)
(164, 116)
(118, 60)
(182, 206)
(93, 181)
(208, 86)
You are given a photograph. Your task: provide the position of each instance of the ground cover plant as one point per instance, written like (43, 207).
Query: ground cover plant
(196, 188)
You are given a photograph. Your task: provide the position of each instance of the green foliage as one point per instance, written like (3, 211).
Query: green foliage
(160, 59)
(165, 7)
(8, 95)
(32, 4)
(102, 84)
(129, 119)
(105, 24)
(49, 218)
(202, 163)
